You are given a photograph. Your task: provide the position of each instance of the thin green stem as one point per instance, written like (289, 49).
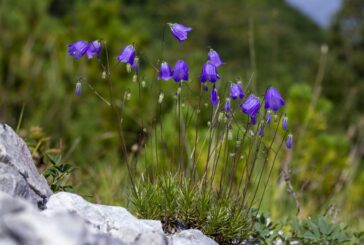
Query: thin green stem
(270, 173)
(97, 93)
(194, 162)
(116, 114)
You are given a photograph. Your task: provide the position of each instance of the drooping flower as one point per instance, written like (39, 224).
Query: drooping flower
(273, 99)
(214, 97)
(180, 71)
(236, 91)
(127, 55)
(268, 117)
(289, 141)
(227, 107)
(77, 49)
(179, 31)
(214, 58)
(94, 48)
(251, 106)
(165, 72)
(78, 89)
(285, 123)
(209, 73)
(261, 130)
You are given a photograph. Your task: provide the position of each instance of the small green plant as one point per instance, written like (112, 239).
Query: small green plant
(264, 231)
(47, 158)
(40, 145)
(181, 206)
(57, 173)
(319, 230)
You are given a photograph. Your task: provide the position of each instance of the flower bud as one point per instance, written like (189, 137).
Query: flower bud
(289, 141)
(161, 98)
(230, 135)
(268, 117)
(261, 130)
(285, 123)
(179, 89)
(227, 105)
(128, 68)
(78, 88)
(135, 78)
(103, 75)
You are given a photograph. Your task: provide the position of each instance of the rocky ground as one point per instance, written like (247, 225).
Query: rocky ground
(30, 214)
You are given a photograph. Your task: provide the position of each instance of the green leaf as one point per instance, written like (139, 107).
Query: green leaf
(309, 235)
(323, 226)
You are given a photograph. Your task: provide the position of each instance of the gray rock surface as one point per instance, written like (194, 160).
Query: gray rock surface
(191, 237)
(18, 174)
(21, 223)
(116, 221)
(119, 223)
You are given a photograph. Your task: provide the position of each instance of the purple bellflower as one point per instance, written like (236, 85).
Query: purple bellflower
(214, 97)
(180, 71)
(77, 49)
(289, 141)
(273, 99)
(251, 106)
(236, 91)
(227, 107)
(127, 55)
(94, 48)
(214, 58)
(209, 73)
(165, 72)
(285, 123)
(179, 31)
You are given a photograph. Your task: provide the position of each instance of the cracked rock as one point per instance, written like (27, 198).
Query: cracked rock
(18, 175)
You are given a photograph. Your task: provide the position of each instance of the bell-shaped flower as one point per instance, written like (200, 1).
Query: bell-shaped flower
(273, 99)
(236, 91)
(214, 58)
(251, 107)
(209, 73)
(179, 31)
(180, 71)
(77, 49)
(289, 141)
(165, 72)
(214, 97)
(94, 48)
(127, 55)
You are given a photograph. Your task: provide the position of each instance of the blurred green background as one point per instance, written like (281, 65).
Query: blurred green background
(268, 38)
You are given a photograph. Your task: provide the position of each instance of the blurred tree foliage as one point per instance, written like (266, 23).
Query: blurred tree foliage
(345, 83)
(266, 38)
